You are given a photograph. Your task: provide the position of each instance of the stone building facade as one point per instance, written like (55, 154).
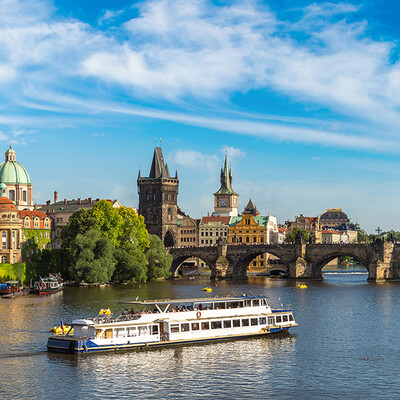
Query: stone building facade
(211, 229)
(310, 224)
(158, 196)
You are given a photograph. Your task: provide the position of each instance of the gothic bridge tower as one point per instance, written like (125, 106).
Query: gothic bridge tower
(158, 195)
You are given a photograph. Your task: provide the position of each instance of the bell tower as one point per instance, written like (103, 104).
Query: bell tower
(226, 199)
(158, 195)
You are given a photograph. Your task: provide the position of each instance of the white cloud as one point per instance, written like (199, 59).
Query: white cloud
(109, 16)
(196, 160)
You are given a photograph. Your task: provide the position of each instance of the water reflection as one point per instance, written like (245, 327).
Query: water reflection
(346, 326)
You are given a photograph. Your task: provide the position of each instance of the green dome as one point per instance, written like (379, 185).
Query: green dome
(12, 172)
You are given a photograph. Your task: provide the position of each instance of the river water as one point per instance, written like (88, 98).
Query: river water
(346, 346)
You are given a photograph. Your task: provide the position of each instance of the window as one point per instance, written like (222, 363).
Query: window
(26, 223)
(271, 321)
(228, 324)
(285, 318)
(216, 324)
(245, 322)
(236, 323)
(154, 330)
(175, 328)
(247, 239)
(3, 259)
(11, 195)
(132, 332)
(24, 195)
(254, 321)
(13, 240)
(120, 332)
(195, 326)
(184, 327)
(256, 303)
(263, 321)
(4, 240)
(278, 319)
(205, 325)
(290, 317)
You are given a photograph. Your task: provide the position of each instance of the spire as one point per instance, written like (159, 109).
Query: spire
(176, 174)
(251, 209)
(139, 176)
(226, 179)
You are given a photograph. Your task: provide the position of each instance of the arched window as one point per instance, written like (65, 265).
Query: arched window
(11, 195)
(3, 259)
(26, 222)
(24, 195)
(247, 239)
(36, 224)
(4, 240)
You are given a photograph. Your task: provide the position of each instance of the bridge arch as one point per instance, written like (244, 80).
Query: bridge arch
(319, 263)
(242, 262)
(178, 261)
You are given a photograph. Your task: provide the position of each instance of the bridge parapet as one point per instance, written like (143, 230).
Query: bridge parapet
(303, 261)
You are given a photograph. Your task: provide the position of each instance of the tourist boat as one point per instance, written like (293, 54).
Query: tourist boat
(156, 323)
(52, 284)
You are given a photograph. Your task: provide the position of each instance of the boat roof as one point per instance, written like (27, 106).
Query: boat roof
(193, 300)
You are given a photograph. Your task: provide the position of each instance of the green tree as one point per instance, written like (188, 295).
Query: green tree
(291, 236)
(92, 256)
(121, 225)
(130, 264)
(133, 230)
(158, 260)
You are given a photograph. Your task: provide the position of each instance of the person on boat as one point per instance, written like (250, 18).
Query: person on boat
(125, 312)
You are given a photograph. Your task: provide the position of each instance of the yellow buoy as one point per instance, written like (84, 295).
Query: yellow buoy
(302, 286)
(207, 289)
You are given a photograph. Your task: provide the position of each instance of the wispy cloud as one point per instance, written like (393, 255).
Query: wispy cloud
(191, 54)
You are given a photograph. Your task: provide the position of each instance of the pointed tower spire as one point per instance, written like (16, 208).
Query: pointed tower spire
(226, 179)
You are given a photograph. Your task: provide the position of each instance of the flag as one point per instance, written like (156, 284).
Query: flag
(62, 325)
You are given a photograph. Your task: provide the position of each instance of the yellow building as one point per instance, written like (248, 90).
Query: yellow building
(250, 229)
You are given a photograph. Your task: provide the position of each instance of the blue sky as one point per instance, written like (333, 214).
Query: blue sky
(303, 95)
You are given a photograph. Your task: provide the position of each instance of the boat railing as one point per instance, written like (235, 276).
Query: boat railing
(281, 306)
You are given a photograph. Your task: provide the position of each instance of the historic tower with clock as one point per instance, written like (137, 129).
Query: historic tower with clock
(226, 199)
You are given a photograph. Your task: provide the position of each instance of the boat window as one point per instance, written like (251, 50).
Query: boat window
(256, 303)
(154, 330)
(254, 321)
(98, 333)
(195, 326)
(278, 319)
(247, 303)
(219, 306)
(107, 334)
(233, 304)
(290, 317)
(236, 323)
(285, 318)
(205, 325)
(132, 332)
(245, 322)
(263, 321)
(174, 328)
(184, 327)
(216, 324)
(228, 324)
(143, 330)
(120, 332)
(271, 320)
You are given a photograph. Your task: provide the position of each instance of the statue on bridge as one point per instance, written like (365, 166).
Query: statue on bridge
(235, 239)
(299, 238)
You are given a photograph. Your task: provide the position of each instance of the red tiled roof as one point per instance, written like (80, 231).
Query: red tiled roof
(32, 214)
(282, 229)
(331, 232)
(223, 220)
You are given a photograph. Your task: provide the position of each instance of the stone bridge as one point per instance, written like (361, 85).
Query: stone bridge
(302, 261)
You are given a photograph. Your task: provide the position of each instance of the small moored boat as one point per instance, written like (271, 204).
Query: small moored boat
(155, 323)
(52, 284)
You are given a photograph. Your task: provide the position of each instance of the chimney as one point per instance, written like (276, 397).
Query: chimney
(65, 201)
(35, 207)
(89, 200)
(79, 200)
(55, 196)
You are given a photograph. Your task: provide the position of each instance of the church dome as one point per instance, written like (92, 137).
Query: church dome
(12, 172)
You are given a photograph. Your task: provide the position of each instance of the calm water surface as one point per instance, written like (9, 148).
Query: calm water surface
(346, 346)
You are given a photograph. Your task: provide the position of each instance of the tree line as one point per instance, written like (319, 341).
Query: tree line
(104, 244)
